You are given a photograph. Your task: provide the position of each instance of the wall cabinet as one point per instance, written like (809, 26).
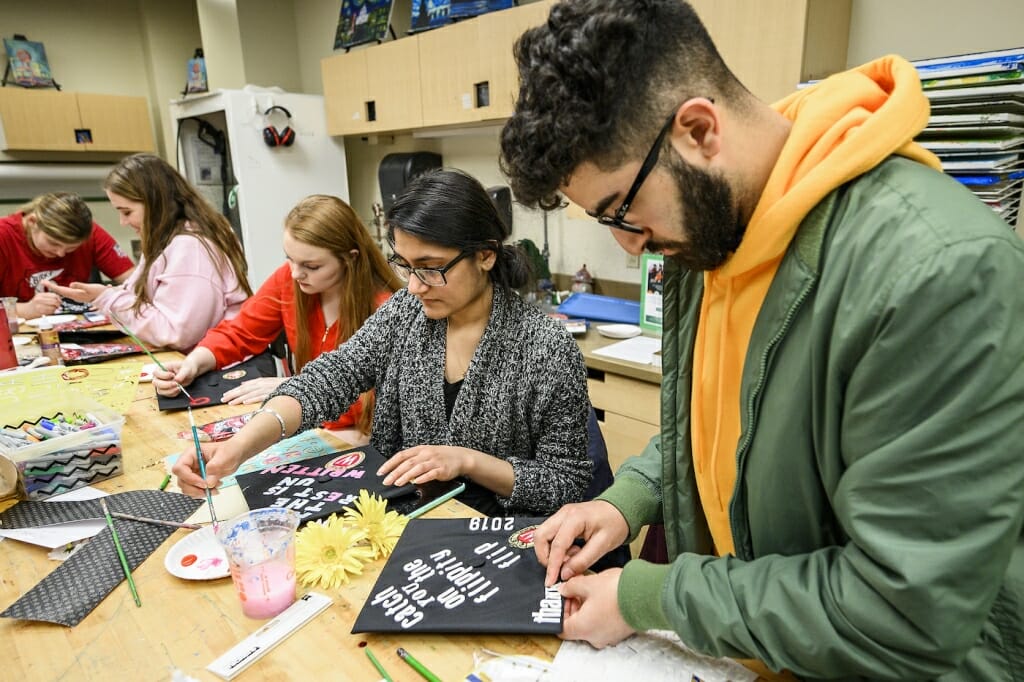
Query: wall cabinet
(373, 90)
(460, 74)
(464, 73)
(48, 120)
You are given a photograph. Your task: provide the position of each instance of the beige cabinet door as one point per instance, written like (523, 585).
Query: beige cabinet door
(116, 123)
(346, 92)
(36, 120)
(393, 75)
(451, 74)
(498, 33)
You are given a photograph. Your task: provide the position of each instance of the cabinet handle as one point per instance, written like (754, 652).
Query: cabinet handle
(371, 110)
(482, 91)
(83, 135)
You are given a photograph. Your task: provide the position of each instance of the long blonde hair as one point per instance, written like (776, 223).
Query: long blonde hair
(62, 216)
(169, 202)
(329, 223)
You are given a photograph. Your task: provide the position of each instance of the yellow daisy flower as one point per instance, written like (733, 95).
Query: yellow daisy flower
(329, 551)
(382, 527)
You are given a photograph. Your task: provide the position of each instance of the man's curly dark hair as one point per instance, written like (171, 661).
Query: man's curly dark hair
(596, 83)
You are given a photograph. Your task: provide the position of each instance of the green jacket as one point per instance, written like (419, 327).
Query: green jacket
(879, 499)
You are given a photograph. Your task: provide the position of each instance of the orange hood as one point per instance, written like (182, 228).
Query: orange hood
(841, 128)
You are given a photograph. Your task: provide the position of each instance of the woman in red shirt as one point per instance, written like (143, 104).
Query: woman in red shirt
(53, 240)
(334, 279)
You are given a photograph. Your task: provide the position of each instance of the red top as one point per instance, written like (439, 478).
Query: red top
(260, 321)
(24, 269)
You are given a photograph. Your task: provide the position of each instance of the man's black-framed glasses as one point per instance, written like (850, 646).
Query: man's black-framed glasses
(432, 277)
(618, 220)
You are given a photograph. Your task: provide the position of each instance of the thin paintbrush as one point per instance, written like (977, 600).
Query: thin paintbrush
(202, 466)
(128, 332)
(159, 522)
(120, 552)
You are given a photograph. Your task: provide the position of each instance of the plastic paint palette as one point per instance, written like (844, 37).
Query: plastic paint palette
(198, 556)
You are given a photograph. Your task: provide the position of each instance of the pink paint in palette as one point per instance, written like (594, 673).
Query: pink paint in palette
(198, 556)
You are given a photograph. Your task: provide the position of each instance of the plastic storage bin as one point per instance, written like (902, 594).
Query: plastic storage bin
(57, 465)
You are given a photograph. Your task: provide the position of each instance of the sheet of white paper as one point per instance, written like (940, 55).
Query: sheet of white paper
(228, 503)
(52, 537)
(655, 656)
(638, 349)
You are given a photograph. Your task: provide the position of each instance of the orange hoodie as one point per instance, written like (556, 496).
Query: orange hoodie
(841, 128)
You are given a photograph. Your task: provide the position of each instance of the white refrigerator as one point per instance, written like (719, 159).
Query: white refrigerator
(221, 149)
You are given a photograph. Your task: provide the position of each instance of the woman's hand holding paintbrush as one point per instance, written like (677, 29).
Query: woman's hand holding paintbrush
(220, 461)
(173, 375)
(262, 430)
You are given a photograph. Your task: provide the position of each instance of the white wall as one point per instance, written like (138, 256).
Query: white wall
(919, 29)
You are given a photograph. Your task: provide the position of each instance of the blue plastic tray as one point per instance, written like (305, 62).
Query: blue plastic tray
(602, 308)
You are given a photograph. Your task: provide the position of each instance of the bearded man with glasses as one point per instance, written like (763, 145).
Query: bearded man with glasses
(839, 470)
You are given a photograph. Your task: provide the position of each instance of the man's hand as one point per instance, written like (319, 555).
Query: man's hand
(592, 609)
(599, 524)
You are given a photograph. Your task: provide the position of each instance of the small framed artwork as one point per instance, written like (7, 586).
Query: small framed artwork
(362, 21)
(27, 64)
(652, 267)
(196, 81)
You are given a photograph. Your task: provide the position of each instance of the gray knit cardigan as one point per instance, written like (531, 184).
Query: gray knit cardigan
(523, 400)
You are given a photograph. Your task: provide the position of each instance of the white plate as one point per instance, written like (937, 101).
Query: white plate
(52, 319)
(21, 340)
(619, 331)
(198, 556)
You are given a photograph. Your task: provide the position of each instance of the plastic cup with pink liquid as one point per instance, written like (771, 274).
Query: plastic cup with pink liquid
(260, 546)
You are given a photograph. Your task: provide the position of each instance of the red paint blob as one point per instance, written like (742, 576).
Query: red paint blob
(188, 559)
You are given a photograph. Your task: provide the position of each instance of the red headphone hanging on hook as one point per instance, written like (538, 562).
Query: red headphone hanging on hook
(275, 138)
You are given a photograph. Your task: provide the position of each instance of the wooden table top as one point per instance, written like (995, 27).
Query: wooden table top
(185, 625)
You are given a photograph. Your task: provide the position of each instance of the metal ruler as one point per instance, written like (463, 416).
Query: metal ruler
(250, 649)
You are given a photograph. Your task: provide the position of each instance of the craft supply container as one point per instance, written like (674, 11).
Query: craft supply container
(57, 465)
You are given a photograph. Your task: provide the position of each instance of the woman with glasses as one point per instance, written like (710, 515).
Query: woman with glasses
(471, 382)
(334, 279)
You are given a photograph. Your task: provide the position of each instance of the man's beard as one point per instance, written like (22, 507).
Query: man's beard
(712, 227)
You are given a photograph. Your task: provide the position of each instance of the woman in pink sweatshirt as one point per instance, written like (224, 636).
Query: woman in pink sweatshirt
(192, 273)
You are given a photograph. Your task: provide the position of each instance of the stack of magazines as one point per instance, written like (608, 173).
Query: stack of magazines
(977, 124)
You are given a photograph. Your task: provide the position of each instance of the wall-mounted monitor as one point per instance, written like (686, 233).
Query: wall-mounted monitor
(362, 21)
